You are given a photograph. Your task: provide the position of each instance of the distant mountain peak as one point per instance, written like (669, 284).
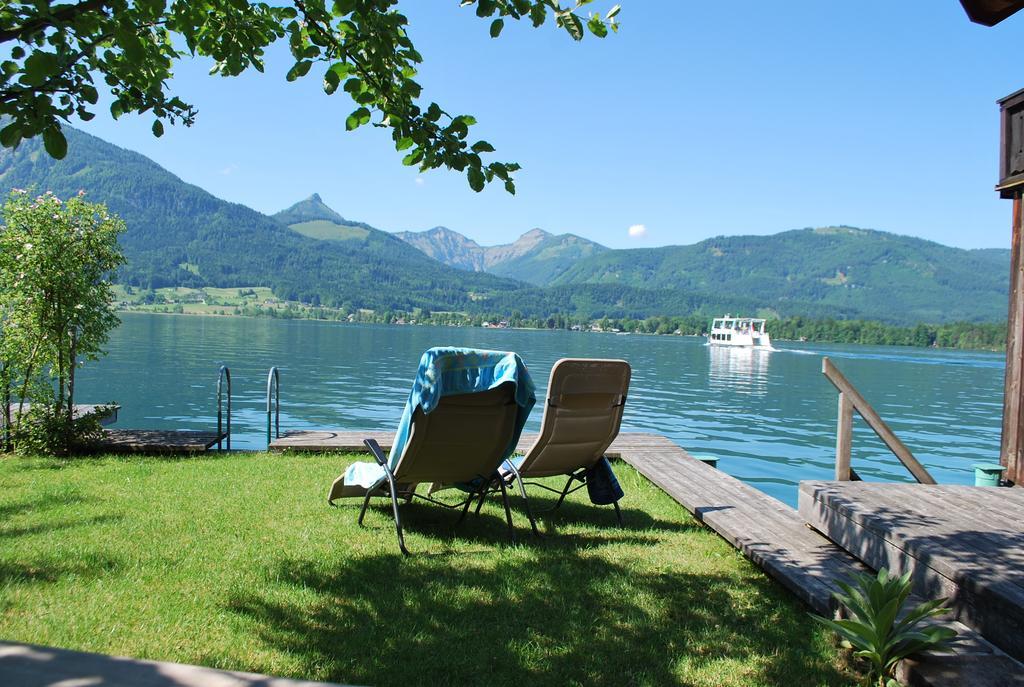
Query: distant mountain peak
(308, 210)
(535, 233)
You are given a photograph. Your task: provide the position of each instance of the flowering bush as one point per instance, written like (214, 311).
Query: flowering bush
(56, 262)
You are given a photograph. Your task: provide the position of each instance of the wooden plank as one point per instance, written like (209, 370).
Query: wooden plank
(28, 665)
(763, 528)
(158, 441)
(942, 536)
(875, 421)
(1011, 451)
(844, 438)
(351, 441)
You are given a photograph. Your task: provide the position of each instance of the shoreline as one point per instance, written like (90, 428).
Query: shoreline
(295, 314)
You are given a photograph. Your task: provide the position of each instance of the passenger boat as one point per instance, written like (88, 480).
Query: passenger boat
(739, 331)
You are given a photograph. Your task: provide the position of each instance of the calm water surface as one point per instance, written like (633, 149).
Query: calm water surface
(770, 417)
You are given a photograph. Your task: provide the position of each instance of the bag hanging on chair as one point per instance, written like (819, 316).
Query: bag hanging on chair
(602, 486)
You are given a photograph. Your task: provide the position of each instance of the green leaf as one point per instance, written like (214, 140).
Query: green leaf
(55, 143)
(496, 26)
(10, 135)
(538, 13)
(38, 67)
(613, 12)
(158, 128)
(482, 147)
(573, 25)
(413, 158)
(357, 119)
(299, 69)
(510, 187)
(343, 7)
(476, 179)
(331, 81)
(597, 27)
(404, 143)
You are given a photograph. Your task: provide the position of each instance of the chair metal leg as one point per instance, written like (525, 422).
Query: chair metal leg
(565, 492)
(508, 510)
(398, 521)
(378, 455)
(366, 502)
(526, 500)
(618, 512)
(465, 509)
(480, 503)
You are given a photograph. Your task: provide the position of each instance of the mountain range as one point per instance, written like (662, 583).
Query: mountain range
(179, 234)
(536, 257)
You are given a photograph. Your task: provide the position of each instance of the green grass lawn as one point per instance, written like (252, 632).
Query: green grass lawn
(237, 562)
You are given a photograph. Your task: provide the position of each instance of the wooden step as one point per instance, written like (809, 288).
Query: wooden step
(158, 441)
(959, 542)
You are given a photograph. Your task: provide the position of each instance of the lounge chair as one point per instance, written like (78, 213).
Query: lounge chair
(463, 418)
(584, 407)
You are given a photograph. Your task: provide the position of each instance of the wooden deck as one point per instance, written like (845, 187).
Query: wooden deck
(326, 441)
(960, 542)
(26, 665)
(158, 441)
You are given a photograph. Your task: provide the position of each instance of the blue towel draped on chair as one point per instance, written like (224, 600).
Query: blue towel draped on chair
(447, 371)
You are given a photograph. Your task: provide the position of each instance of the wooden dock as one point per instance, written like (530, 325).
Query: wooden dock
(960, 542)
(770, 533)
(158, 441)
(27, 665)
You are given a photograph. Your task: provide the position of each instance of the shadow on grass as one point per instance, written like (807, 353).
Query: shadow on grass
(553, 616)
(553, 610)
(43, 528)
(48, 569)
(490, 527)
(55, 499)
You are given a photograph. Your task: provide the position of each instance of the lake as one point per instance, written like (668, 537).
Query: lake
(770, 417)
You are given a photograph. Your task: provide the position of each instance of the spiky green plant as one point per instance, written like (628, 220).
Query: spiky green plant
(875, 629)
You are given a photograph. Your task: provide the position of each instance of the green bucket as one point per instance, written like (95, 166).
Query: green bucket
(987, 474)
(709, 460)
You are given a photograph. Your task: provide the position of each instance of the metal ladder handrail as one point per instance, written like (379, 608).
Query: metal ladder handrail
(222, 374)
(274, 385)
(850, 400)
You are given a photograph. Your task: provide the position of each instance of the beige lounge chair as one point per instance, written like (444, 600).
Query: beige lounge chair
(582, 415)
(462, 441)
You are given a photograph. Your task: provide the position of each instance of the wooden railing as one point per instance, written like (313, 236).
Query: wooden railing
(849, 401)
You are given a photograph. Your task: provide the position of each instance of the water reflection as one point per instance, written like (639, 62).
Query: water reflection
(738, 370)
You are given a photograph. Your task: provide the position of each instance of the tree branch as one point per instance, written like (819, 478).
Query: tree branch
(62, 15)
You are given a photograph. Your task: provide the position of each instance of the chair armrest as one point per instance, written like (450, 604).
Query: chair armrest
(376, 451)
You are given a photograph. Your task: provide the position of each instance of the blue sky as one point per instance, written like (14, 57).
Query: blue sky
(747, 117)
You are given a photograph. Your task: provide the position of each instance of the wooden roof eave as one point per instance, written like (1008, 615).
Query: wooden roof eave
(990, 12)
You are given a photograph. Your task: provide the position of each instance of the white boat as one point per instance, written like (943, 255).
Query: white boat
(745, 332)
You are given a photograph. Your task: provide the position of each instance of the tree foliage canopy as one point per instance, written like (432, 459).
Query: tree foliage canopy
(56, 52)
(56, 262)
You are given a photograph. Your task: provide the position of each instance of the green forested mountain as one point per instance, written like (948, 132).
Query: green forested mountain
(875, 274)
(178, 234)
(548, 259)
